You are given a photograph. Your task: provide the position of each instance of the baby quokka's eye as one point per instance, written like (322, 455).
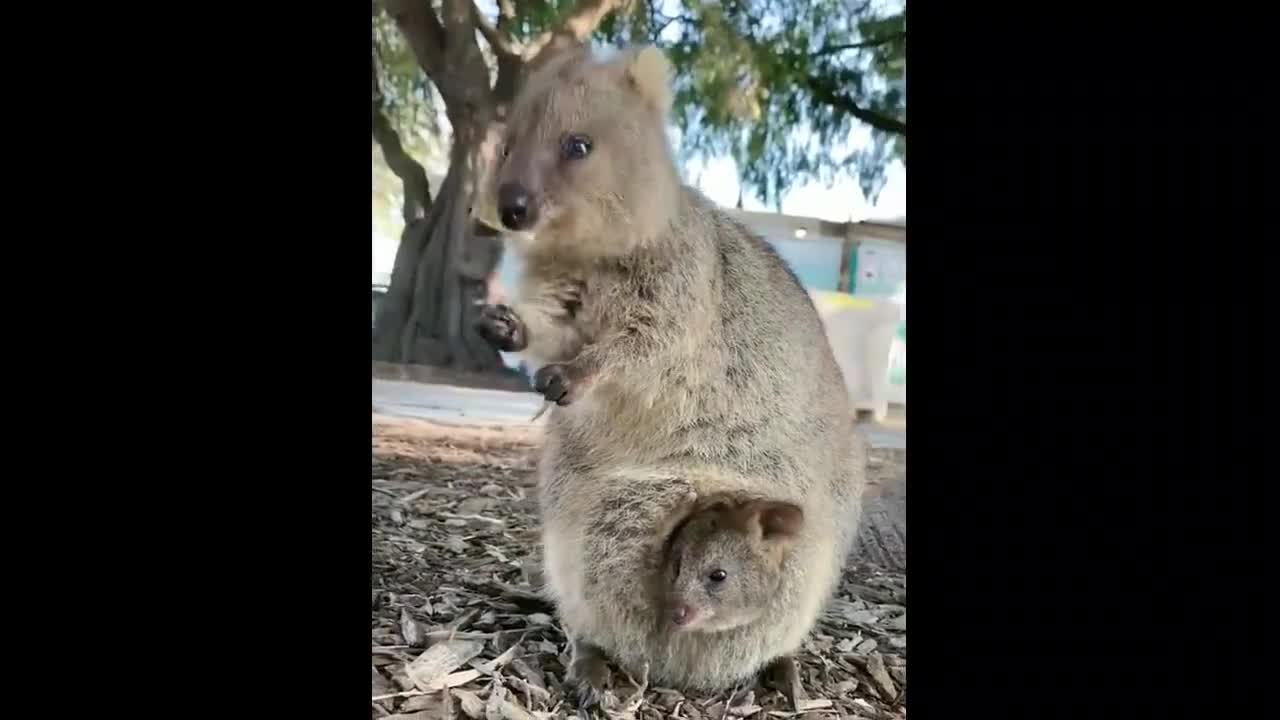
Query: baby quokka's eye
(576, 147)
(717, 576)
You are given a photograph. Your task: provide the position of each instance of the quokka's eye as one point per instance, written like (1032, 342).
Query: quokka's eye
(717, 576)
(576, 147)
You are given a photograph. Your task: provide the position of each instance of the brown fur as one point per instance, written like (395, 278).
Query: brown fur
(746, 540)
(698, 365)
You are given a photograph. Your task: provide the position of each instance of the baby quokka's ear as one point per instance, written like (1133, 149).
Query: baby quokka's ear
(772, 521)
(777, 520)
(649, 73)
(761, 519)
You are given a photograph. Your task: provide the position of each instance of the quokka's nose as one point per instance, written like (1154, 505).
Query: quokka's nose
(682, 614)
(515, 207)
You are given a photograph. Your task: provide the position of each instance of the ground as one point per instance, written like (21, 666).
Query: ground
(455, 543)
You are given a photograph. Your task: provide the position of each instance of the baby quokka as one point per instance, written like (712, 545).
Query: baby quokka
(723, 564)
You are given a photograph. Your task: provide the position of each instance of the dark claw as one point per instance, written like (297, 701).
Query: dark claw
(553, 383)
(589, 676)
(501, 328)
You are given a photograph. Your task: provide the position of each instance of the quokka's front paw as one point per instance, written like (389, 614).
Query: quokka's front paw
(502, 328)
(569, 296)
(555, 383)
(589, 677)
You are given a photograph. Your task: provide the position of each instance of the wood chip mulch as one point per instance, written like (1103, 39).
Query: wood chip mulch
(458, 630)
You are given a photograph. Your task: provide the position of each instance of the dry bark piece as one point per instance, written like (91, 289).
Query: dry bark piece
(465, 619)
(402, 679)
(411, 630)
(531, 675)
(861, 617)
(475, 505)
(530, 690)
(379, 682)
(500, 707)
(883, 683)
(488, 667)
(845, 687)
(417, 703)
(462, 677)
(872, 594)
(440, 660)
(472, 705)
(814, 704)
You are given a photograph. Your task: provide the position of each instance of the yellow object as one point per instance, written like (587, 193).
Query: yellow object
(841, 301)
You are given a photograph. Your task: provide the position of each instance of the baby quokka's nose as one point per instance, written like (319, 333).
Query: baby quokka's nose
(682, 614)
(516, 208)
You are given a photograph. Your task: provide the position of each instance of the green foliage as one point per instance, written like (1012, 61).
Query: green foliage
(411, 105)
(408, 98)
(778, 85)
(775, 84)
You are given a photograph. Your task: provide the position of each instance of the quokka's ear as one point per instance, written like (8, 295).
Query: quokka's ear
(775, 521)
(650, 73)
(484, 198)
(484, 205)
(760, 518)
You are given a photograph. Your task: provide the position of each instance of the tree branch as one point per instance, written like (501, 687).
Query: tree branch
(457, 15)
(446, 49)
(506, 13)
(825, 93)
(873, 42)
(499, 41)
(572, 30)
(421, 28)
(417, 189)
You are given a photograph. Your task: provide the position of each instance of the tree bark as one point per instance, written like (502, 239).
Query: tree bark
(394, 311)
(446, 267)
(825, 93)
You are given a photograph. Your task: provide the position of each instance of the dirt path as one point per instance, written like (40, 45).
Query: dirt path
(455, 538)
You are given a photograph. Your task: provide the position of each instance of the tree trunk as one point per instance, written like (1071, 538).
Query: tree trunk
(440, 278)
